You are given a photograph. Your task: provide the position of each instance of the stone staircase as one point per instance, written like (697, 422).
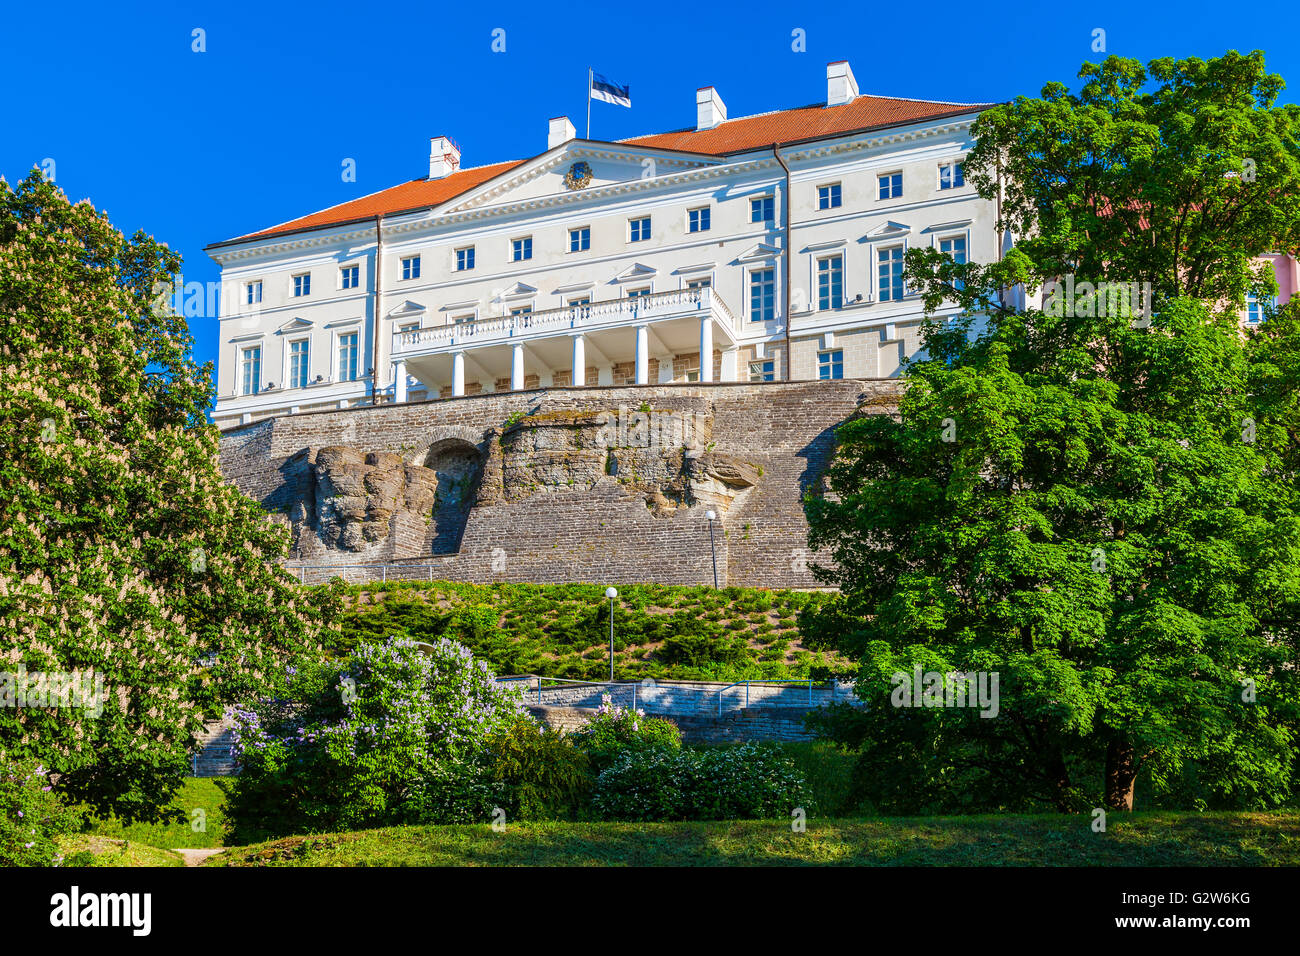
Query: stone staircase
(213, 758)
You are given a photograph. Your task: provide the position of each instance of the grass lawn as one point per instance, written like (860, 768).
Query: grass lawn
(1155, 839)
(196, 793)
(110, 852)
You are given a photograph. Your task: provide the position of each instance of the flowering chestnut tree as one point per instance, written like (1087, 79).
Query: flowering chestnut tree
(123, 553)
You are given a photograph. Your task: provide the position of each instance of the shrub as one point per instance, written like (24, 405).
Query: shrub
(615, 729)
(389, 735)
(538, 773)
(726, 783)
(32, 817)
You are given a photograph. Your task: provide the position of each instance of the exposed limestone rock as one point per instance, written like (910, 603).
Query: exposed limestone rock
(357, 494)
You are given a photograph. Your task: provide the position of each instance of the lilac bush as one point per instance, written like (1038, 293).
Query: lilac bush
(394, 733)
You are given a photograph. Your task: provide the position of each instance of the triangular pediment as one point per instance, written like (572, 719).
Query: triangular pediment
(638, 270)
(406, 308)
(578, 169)
(519, 289)
(295, 325)
(889, 230)
(759, 253)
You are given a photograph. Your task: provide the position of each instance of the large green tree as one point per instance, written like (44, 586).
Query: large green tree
(123, 552)
(1102, 511)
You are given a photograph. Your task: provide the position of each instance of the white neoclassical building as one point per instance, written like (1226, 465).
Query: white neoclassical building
(765, 247)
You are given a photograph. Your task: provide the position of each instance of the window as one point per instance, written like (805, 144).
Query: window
(639, 229)
(522, 310)
(764, 371)
(638, 293)
(251, 370)
(830, 282)
(580, 239)
(762, 209)
(521, 249)
(954, 246)
(408, 327)
(699, 283)
(951, 176)
(830, 364)
(1256, 306)
(891, 185)
(298, 364)
(891, 274)
(253, 292)
(465, 259)
(411, 267)
(580, 305)
(350, 277)
(762, 295)
(348, 357)
(697, 220)
(302, 285)
(828, 196)
(462, 319)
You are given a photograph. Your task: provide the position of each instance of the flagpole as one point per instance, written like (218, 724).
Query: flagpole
(588, 136)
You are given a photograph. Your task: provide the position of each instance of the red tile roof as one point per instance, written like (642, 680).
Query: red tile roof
(804, 123)
(416, 194)
(733, 136)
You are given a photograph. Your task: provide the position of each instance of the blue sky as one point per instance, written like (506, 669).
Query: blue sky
(199, 147)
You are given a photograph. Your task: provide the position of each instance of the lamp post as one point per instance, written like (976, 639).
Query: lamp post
(712, 516)
(611, 593)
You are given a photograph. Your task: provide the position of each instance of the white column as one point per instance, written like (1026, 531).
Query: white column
(458, 373)
(579, 360)
(399, 381)
(642, 355)
(517, 367)
(706, 348)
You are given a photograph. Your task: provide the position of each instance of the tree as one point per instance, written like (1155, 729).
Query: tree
(1179, 173)
(124, 554)
(1103, 512)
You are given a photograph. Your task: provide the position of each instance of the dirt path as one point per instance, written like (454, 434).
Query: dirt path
(196, 857)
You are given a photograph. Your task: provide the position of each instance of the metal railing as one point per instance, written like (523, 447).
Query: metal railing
(382, 569)
(558, 681)
(746, 683)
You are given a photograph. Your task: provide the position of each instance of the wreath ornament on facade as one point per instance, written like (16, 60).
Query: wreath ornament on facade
(578, 176)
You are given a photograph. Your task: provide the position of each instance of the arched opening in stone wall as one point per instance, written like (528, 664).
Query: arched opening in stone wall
(458, 465)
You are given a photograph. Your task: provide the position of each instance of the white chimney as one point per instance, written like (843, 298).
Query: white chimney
(709, 108)
(444, 157)
(841, 87)
(560, 132)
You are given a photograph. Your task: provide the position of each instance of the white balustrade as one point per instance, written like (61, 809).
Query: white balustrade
(662, 305)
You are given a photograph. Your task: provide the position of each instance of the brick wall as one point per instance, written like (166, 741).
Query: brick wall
(600, 534)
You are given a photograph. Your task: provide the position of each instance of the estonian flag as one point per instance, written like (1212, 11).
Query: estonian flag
(603, 89)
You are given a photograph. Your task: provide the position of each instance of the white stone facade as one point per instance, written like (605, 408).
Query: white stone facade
(572, 285)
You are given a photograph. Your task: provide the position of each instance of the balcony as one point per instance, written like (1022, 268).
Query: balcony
(619, 331)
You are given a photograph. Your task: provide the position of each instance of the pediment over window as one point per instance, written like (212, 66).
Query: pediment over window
(889, 230)
(518, 290)
(638, 270)
(948, 226)
(294, 325)
(759, 253)
(697, 268)
(574, 287)
(406, 308)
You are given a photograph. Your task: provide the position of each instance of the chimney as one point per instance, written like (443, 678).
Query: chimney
(560, 132)
(444, 157)
(841, 87)
(709, 108)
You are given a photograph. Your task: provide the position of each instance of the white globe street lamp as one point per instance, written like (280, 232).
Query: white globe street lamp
(611, 593)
